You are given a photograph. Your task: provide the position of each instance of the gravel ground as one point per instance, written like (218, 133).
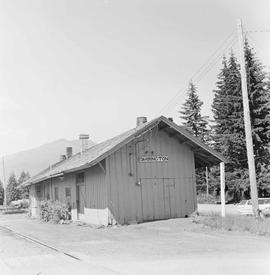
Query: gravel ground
(171, 246)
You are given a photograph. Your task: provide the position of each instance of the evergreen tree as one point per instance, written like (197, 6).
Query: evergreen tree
(2, 193)
(229, 131)
(258, 88)
(24, 191)
(191, 114)
(197, 125)
(228, 114)
(13, 192)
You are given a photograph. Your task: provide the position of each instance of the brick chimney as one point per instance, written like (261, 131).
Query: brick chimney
(68, 152)
(141, 120)
(84, 138)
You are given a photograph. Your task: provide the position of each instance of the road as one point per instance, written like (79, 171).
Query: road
(175, 246)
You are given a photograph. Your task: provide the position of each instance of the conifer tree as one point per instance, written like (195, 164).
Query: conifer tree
(24, 191)
(196, 124)
(258, 88)
(2, 193)
(229, 131)
(191, 114)
(13, 192)
(228, 126)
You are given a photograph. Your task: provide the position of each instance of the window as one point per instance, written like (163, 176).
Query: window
(56, 194)
(68, 192)
(80, 178)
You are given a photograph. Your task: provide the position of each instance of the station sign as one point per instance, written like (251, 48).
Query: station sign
(157, 158)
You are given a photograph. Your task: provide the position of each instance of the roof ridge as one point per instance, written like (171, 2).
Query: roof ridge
(101, 150)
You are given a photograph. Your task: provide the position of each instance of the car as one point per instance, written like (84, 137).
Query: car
(245, 206)
(219, 202)
(23, 203)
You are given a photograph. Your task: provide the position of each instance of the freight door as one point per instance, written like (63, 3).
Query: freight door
(158, 199)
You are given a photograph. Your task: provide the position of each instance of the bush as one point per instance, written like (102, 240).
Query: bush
(53, 211)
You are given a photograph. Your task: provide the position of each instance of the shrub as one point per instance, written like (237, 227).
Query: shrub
(53, 211)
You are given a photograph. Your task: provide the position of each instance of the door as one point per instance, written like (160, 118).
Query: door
(79, 200)
(80, 193)
(158, 199)
(169, 198)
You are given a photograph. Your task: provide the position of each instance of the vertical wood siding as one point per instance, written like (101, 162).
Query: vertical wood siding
(139, 191)
(132, 190)
(94, 194)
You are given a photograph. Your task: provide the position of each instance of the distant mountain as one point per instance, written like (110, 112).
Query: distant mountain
(39, 158)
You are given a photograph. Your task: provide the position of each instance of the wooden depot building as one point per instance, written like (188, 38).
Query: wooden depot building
(144, 174)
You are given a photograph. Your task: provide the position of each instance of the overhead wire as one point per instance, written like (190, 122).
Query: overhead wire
(213, 54)
(214, 62)
(257, 31)
(257, 45)
(205, 68)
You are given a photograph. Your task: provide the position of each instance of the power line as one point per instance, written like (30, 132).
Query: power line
(217, 57)
(213, 54)
(206, 67)
(257, 31)
(258, 45)
(214, 62)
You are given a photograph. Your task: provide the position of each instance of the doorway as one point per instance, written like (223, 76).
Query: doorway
(80, 194)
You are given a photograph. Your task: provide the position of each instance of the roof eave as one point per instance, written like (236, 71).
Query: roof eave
(186, 134)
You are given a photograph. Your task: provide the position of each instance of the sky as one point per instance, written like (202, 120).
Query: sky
(72, 67)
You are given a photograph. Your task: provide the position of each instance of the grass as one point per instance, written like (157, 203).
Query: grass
(203, 198)
(237, 223)
(14, 211)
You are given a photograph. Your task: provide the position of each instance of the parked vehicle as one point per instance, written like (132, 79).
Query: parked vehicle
(245, 206)
(23, 203)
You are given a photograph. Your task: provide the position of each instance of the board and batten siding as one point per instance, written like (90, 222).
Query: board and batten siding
(95, 201)
(47, 191)
(93, 195)
(141, 191)
(124, 189)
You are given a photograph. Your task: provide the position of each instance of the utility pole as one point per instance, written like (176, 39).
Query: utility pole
(222, 189)
(249, 142)
(207, 181)
(4, 183)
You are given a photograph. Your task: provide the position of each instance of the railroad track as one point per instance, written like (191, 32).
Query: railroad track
(31, 239)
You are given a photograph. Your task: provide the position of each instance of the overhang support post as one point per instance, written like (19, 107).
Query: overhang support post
(102, 168)
(222, 188)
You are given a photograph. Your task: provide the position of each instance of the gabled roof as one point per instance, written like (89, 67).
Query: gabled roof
(204, 155)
